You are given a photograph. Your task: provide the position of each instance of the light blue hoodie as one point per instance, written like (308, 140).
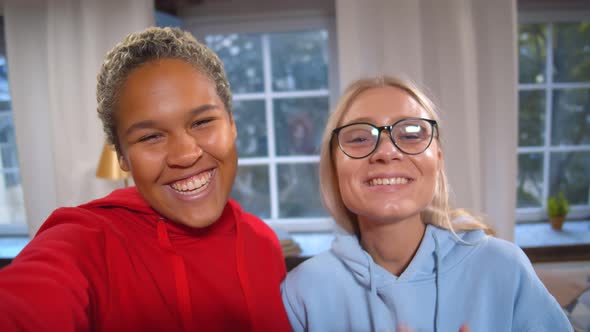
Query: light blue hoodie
(489, 285)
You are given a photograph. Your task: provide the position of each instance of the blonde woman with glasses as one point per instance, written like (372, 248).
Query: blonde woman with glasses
(405, 258)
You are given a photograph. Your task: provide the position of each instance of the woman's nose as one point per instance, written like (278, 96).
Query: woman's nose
(386, 150)
(183, 151)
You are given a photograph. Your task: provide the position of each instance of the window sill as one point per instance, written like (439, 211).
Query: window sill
(539, 242)
(543, 244)
(542, 235)
(10, 246)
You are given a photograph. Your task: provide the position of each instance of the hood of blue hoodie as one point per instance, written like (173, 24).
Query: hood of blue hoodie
(453, 279)
(451, 250)
(439, 251)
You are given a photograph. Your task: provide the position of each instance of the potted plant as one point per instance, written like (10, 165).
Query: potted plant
(557, 208)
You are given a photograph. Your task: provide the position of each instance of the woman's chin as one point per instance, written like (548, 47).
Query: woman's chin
(388, 216)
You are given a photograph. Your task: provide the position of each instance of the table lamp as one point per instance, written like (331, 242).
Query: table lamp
(108, 165)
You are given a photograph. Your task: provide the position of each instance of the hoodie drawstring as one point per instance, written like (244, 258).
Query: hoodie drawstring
(180, 278)
(372, 294)
(437, 268)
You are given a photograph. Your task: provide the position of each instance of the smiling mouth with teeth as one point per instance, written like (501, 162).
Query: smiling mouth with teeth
(194, 184)
(388, 181)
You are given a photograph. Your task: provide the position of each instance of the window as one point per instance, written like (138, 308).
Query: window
(281, 100)
(12, 210)
(554, 117)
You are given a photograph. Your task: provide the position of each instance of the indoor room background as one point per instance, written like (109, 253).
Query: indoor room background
(511, 78)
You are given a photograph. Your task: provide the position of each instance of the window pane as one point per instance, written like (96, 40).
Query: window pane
(299, 124)
(571, 52)
(250, 120)
(530, 180)
(251, 189)
(242, 59)
(8, 155)
(4, 89)
(570, 174)
(532, 49)
(299, 191)
(12, 206)
(531, 118)
(12, 209)
(299, 60)
(571, 117)
(6, 128)
(9, 158)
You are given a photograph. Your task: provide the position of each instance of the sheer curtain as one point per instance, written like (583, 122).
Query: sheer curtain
(54, 50)
(464, 52)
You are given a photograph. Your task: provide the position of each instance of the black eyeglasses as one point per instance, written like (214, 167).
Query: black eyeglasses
(411, 136)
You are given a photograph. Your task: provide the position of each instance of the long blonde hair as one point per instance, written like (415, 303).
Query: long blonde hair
(438, 213)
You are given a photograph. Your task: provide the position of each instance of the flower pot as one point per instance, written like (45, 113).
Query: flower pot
(557, 222)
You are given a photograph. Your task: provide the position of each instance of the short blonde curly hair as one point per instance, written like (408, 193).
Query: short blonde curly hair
(142, 47)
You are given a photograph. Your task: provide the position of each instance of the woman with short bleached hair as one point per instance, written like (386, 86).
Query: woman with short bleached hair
(406, 258)
(174, 252)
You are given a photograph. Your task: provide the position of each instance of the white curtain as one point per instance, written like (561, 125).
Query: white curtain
(464, 53)
(54, 51)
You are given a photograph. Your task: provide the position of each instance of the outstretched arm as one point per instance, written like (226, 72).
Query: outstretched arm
(47, 287)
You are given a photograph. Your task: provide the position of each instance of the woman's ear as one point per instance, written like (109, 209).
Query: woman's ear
(439, 156)
(123, 163)
(234, 130)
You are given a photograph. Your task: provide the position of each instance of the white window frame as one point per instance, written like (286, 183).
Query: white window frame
(532, 214)
(20, 228)
(267, 24)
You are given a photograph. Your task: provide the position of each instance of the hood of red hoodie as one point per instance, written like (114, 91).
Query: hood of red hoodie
(128, 198)
(252, 237)
(167, 232)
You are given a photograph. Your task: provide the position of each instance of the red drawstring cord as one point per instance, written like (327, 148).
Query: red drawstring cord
(180, 278)
(243, 273)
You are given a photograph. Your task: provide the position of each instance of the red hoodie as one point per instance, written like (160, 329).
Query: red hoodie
(114, 264)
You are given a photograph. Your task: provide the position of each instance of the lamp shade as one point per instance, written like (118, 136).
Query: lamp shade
(108, 166)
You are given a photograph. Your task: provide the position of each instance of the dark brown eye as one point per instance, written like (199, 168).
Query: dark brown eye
(149, 138)
(202, 122)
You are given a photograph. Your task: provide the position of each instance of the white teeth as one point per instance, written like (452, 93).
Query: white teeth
(192, 185)
(388, 181)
